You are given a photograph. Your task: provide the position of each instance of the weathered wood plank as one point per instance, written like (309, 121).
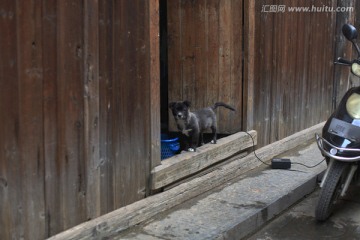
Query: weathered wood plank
(188, 51)
(91, 108)
(106, 73)
(249, 66)
(30, 79)
(12, 224)
(131, 109)
(209, 53)
(154, 82)
(224, 91)
(200, 48)
(123, 218)
(70, 92)
(185, 164)
(213, 52)
(236, 67)
(52, 199)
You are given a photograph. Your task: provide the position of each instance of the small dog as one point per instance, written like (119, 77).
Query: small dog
(193, 124)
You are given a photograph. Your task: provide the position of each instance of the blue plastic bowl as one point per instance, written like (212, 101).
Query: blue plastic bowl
(169, 146)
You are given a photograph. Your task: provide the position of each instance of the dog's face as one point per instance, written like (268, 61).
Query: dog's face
(180, 110)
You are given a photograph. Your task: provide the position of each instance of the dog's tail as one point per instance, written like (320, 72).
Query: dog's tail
(221, 104)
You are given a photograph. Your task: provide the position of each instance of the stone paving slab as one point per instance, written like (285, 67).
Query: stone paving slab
(238, 208)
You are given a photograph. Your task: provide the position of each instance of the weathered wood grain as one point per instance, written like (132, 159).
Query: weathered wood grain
(30, 121)
(10, 166)
(106, 104)
(79, 106)
(208, 37)
(292, 73)
(140, 211)
(174, 17)
(54, 224)
(249, 65)
(92, 109)
(185, 164)
(154, 86)
(70, 93)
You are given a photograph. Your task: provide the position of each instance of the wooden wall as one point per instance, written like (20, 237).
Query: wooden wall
(79, 84)
(205, 57)
(293, 68)
(276, 67)
(79, 110)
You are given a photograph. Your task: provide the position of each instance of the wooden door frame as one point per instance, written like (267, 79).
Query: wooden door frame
(248, 74)
(154, 101)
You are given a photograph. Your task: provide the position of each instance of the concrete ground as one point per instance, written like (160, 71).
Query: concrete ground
(240, 207)
(298, 223)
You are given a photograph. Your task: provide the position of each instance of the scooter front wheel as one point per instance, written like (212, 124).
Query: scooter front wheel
(331, 190)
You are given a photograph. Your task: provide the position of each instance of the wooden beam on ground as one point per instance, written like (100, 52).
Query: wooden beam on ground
(115, 222)
(188, 163)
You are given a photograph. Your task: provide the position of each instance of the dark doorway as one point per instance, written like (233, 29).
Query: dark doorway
(163, 66)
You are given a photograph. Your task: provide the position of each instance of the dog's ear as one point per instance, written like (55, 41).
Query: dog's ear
(171, 105)
(187, 103)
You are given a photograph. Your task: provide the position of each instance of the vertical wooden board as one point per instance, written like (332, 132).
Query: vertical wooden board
(188, 51)
(91, 108)
(52, 197)
(328, 59)
(225, 38)
(144, 112)
(289, 90)
(282, 37)
(12, 224)
(325, 100)
(277, 36)
(106, 66)
(249, 38)
(212, 91)
(306, 34)
(154, 86)
(293, 89)
(236, 88)
(174, 55)
(299, 67)
(284, 74)
(121, 136)
(343, 49)
(130, 117)
(30, 76)
(262, 81)
(323, 66)
(291, 83)
(200, 50)
(70, 93)
(313, 69)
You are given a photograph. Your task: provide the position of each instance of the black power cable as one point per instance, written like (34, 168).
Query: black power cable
(301, 164)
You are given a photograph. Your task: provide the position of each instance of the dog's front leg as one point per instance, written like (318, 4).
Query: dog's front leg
(184, 142)
(194, 141)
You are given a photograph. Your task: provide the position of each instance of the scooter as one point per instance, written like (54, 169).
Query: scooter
(340, 141)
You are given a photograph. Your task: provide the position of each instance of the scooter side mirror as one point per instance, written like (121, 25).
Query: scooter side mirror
(349, 32)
